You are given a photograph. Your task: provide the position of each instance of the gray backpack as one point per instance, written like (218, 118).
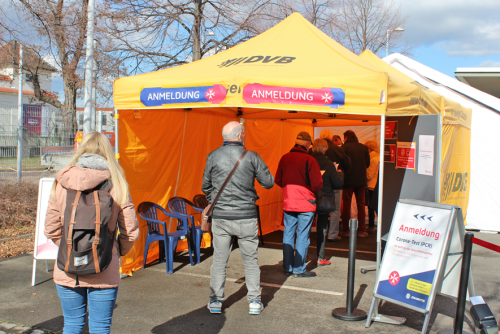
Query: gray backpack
(86, 245)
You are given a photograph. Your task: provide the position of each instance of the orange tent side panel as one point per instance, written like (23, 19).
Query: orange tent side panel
(161, 162)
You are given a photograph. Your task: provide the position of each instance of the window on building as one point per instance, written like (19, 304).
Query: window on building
(104, 119)
(80, 119)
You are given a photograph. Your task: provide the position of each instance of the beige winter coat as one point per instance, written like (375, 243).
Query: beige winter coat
(372, 171)
(78, 178)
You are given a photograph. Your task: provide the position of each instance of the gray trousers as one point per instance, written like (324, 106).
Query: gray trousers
(333, 230)
(246, 231)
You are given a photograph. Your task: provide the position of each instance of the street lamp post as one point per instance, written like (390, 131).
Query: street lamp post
(398, 29)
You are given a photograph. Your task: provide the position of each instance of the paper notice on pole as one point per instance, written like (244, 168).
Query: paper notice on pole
(426, 155)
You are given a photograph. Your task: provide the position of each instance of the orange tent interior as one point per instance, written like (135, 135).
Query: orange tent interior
(161, 162)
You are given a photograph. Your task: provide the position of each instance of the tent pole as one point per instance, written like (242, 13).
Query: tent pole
(117, 151)
(380, 190)
(439, 161)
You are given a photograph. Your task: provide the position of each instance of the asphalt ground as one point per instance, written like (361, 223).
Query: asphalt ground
(151, 301)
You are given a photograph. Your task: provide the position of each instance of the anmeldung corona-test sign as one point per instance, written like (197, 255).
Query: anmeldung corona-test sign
(412, 254)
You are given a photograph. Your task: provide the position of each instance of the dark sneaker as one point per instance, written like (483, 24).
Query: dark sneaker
(324, 262)
(215, 306)
(371, 230)
(255, 307)
(288, 273)
(337, 239)
(305, 274)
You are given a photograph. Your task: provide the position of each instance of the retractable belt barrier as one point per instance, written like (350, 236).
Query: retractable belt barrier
(486, 244)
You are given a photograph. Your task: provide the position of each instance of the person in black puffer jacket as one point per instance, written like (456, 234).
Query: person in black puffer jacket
(354, 182)
(331, 180)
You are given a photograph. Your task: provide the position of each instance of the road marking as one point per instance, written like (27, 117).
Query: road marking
(271, 285)
(337, 249)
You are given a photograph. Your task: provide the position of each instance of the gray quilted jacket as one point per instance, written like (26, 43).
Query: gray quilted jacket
(237, 201)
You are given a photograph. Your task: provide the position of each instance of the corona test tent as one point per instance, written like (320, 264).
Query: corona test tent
(290, 78)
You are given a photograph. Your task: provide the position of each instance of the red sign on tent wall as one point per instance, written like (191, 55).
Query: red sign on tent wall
(405, 157)
(390, 153)
(391, 130)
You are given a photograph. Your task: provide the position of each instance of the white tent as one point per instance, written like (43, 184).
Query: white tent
(484, 208)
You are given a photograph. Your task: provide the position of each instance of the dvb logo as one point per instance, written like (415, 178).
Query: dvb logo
(257, 59)
(454, 182)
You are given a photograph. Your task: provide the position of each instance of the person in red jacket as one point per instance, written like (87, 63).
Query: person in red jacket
(300, 178)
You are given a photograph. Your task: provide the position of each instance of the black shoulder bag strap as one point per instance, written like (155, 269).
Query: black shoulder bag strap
(209, 213)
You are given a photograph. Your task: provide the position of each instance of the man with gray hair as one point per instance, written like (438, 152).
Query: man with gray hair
(235, 214)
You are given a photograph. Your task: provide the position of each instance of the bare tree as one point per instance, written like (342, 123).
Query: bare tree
(363, 24)
(161, 33)
(60, 29)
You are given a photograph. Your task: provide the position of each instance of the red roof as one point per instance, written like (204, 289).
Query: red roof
(25, 92)
(5, 78)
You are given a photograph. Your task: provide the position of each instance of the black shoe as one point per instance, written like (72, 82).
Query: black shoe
(288, 273)
(337, 239)
(305, 274)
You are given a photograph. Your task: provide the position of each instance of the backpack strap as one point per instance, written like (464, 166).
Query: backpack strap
(69, 238)
(97, 230)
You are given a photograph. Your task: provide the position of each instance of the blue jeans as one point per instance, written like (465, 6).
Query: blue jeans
(101, 303)
(294, 260)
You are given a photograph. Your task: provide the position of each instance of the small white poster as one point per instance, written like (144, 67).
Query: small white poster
(426, 155)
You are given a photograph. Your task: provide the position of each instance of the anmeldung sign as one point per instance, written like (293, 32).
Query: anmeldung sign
(412, 254)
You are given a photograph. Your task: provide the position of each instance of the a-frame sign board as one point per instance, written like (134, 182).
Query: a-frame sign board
(423, 256)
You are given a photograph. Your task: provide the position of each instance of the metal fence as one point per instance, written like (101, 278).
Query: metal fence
(47, 146)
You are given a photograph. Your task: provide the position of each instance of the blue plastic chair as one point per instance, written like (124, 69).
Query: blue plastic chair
(178, 205)
(148, 212)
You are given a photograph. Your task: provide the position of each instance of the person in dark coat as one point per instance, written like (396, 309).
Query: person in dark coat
(354, 182)
(331, 180)
(337, 156)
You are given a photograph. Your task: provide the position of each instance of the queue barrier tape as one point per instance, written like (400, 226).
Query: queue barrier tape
(486, 244)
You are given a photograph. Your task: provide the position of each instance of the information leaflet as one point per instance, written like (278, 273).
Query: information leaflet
(411, 257)
(406, 155)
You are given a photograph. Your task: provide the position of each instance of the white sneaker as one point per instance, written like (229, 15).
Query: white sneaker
(215, 306)
(255, 307)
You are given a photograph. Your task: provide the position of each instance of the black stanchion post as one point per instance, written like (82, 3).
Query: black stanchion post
(462, 289)
(349, 313)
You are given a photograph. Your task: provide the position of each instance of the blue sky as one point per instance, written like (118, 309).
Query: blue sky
(449, 33)
(453, 33)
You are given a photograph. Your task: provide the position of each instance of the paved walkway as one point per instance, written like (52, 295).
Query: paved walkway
(153, 302)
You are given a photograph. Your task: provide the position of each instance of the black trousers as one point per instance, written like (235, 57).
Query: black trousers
(321, 231)
(371, 212)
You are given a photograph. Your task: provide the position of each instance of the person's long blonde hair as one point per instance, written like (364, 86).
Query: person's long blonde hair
(97, 143)
(373, 145)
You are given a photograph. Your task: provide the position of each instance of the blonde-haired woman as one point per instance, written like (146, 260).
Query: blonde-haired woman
(331, 180)
(92, 165)
(372, 177)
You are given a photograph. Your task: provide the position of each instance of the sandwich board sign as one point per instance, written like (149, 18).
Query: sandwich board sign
(44, 249)
(422, 257)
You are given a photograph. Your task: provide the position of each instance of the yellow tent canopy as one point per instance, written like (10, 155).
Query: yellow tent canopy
(288, 79)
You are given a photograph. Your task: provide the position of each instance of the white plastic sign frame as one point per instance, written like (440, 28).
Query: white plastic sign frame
(422, 257)
(44, 248)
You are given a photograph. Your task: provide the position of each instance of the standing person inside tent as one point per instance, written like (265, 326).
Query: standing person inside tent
(338, 157)
(354, 182)
(331, 180)
(300, 178)
(372, 177)
(337, 141)
(90, 192)
(235, 213)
